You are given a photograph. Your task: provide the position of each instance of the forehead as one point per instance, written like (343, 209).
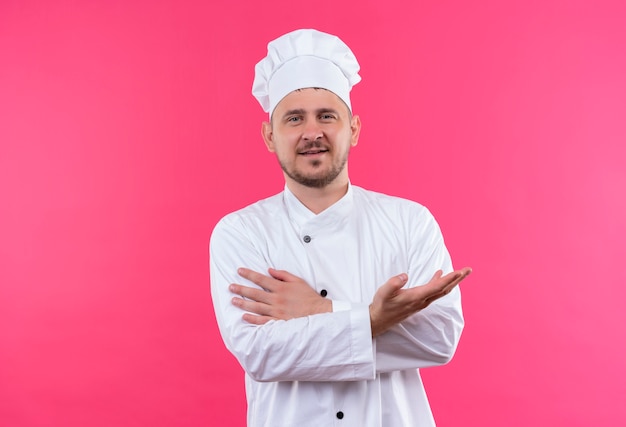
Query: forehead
(310, 99)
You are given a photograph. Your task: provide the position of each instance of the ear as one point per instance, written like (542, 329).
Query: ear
(355, 129)
(268, 136)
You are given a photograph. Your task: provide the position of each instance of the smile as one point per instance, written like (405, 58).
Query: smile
(313, 151)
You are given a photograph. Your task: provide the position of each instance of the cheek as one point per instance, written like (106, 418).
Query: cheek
(347, 138)
(283, 152)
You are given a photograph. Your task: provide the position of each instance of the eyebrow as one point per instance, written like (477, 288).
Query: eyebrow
(298, 111)
(302, 111)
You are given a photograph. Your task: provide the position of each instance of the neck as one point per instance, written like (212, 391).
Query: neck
(319, 199)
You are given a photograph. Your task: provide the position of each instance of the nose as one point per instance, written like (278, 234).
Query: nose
(312, 131)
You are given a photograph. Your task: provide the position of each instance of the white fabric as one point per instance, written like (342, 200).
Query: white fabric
(301, 59)
(302, 372)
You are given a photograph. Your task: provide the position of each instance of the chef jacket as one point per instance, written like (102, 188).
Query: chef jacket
(326, 369)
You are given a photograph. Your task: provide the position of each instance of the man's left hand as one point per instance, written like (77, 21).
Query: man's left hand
(283, 296)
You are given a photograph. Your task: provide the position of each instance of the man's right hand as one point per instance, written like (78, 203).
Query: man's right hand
(392, 304)
(283, 296)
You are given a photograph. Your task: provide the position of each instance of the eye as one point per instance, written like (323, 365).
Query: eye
(293, 119)
(327, 116)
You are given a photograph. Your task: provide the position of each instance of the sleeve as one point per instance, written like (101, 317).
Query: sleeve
(333, 346)
(429, 337)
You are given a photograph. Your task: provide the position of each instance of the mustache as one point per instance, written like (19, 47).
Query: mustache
(310, 145)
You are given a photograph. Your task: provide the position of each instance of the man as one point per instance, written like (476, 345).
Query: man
(330, 296)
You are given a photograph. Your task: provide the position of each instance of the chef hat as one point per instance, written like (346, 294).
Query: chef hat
(301, 59)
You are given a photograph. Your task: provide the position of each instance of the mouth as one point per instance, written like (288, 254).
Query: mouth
(313, 151)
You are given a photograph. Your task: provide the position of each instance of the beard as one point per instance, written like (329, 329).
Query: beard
(318, 179)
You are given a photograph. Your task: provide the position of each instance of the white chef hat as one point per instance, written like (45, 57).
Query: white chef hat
(301, 59)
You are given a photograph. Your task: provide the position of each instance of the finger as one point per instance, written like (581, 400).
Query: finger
(458, 277)
(451, 281)
(282, 275)
(459, 274)
(250, 293)
(436, 276)
(256, 320)
(435, 296)
(464, 272)
(255, 277)
(437, 287)
(251, 306)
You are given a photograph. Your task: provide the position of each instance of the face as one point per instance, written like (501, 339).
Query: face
(311, 132)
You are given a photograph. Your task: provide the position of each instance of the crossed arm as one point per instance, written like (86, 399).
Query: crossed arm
(414, 326)
(285, 296)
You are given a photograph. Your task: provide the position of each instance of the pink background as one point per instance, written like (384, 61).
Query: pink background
(127, 129)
